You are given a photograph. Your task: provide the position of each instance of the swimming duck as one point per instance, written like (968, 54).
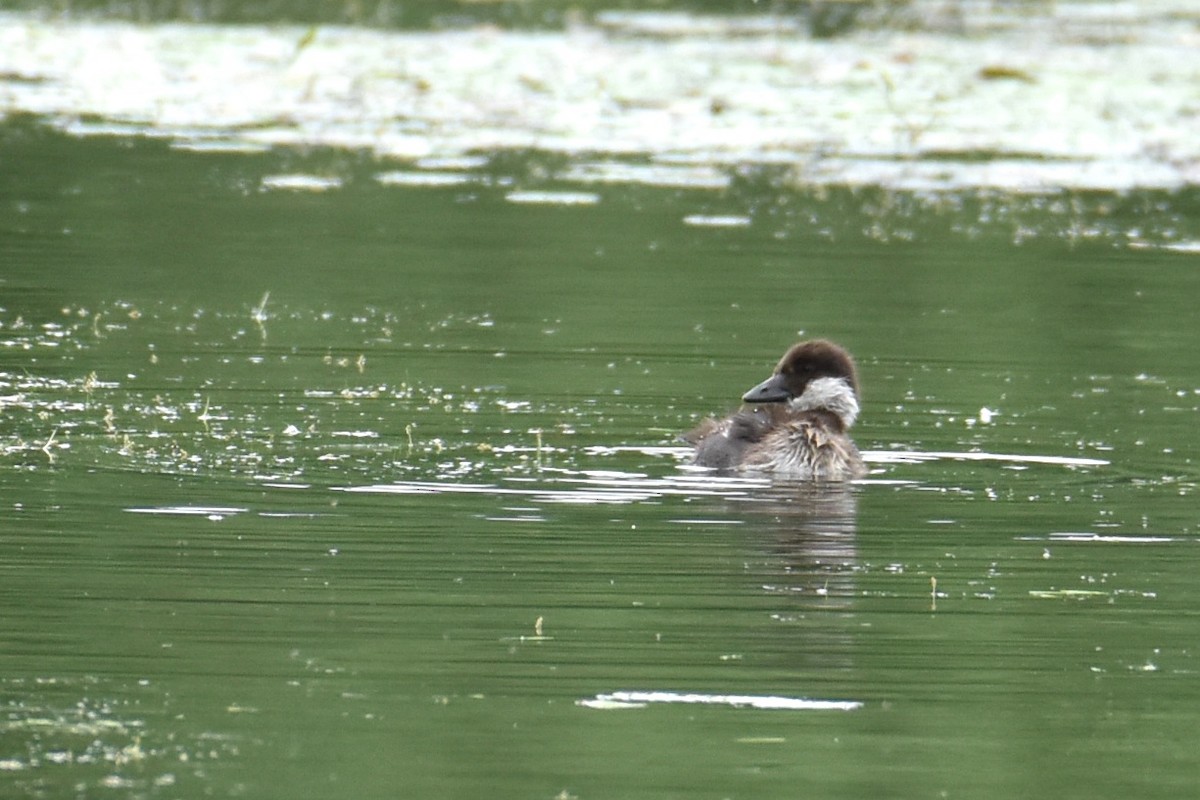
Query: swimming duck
(795, 422)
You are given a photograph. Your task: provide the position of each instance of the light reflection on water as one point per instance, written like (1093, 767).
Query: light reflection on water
(634, 699)
(614, 486)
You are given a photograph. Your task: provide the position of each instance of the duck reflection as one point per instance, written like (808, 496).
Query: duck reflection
(801, 549)
(814, 531)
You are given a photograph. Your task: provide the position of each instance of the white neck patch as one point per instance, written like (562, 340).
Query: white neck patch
(828, 394)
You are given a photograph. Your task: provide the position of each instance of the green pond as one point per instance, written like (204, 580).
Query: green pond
(327, 474)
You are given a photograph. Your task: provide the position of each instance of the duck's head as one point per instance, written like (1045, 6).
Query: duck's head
(816, 374)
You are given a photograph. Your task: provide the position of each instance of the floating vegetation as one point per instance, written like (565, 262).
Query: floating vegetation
(100, 744)
(553, 198)
(304, 183)
(930, 110)
(433, 179)
(144, 422)
(717, 221)
(682, 176)
(1066, 594)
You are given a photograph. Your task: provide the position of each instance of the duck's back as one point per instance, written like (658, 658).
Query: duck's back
(723, 444)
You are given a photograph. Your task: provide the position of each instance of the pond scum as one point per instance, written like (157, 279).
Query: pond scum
(1022, 98)
(135, 421)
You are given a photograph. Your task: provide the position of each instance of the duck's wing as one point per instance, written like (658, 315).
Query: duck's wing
(722, 444)
(701, 432)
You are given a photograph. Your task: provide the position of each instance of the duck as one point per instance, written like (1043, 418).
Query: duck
(794, 424)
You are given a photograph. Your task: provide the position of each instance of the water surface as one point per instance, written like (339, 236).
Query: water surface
(371, 488)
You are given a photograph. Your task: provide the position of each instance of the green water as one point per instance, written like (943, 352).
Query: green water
(289, 476)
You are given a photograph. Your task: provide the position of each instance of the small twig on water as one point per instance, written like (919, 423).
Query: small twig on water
(46, 446)
(259, 314)
(205, 416)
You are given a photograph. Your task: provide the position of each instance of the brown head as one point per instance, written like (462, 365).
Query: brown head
(802, 364)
